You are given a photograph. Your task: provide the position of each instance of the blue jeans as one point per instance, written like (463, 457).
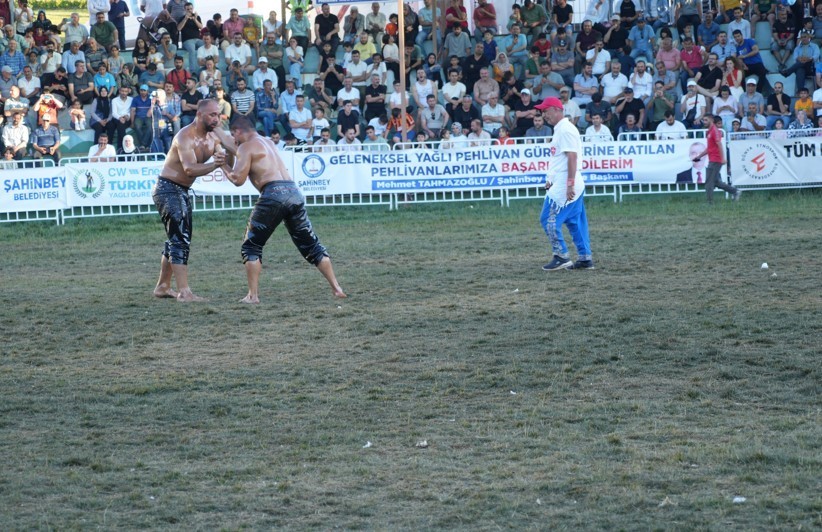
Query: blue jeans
(573, 215)
(191, 46)
(186, 120)
(424, 33)
(269, 120)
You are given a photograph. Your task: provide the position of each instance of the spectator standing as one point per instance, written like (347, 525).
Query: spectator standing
(121, 113)
(117, 15)
(140, 117)
(190, 27)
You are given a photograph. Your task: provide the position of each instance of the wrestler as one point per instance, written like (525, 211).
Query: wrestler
(280, 201)
(196, 150)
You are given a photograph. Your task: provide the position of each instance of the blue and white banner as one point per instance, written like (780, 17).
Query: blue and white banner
(33, 189)
(111, 183)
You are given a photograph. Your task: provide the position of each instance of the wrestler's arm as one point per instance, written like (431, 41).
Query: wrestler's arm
(228, 143)
(188, 159)
(241, 167)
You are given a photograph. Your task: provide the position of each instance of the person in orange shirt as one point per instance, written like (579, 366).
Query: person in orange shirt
(395, 125)
(803, 102)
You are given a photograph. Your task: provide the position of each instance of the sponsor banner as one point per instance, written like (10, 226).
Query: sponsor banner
(217, 184)
(776, 162)
(494, 167)
(116, 183)
(33, 189)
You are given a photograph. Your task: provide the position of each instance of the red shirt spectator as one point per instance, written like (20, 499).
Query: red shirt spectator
(714, 139)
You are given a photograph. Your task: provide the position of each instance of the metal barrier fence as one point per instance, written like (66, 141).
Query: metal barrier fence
(204, 202)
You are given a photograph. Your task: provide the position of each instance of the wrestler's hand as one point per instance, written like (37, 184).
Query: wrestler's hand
(548, 185)
(226, 140)
(219, 158)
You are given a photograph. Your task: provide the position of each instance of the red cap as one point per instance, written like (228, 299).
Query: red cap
(549, 102)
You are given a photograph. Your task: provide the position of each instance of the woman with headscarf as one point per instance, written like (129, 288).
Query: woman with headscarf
(129, 150)
(501, 66)
(101, 121)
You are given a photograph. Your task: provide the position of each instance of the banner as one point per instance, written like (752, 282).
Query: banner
(494, 167)
(33, 189)
(792, 161)
(115, 183)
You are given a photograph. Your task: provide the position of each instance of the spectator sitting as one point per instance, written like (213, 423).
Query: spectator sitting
(539, 129)
(45, 142)
(597, 131)
(671, 128)
(753, 120)
(800, 126)
(630, 130)
(14, 103)
(16, 136)
(152, 77)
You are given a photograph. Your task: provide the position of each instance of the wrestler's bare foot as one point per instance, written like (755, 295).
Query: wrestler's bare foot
(251, 300)
(187, 296)
(164, 292)
(338, 292)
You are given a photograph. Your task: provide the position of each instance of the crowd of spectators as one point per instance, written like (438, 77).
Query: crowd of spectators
(640, 68)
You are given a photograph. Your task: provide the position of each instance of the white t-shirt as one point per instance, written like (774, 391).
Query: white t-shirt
(318, 125)
(603, 57)
(238, 53)
(675, 131)
(817, 97)
(611, 88)
(449, 91)
(203, 52)
(353, 95)
(566, 139)
(497, 111)
(108, 151)
(691, 101)
(344, 145)
(295, 114)
(355, 70)
(603, 135)
(379, 129)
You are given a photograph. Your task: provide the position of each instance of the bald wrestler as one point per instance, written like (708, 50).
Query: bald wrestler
(280, 201)
(198, 149)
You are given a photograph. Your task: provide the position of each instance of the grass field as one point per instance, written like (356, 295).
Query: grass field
(646, 394)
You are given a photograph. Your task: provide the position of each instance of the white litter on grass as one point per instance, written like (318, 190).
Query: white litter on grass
(739, 500)
(367, 445)
(516, 290)
(539, 502)
(764, 266)
(513, 392)
(339, 306)
(773, 274)
(422, 444)
(666, 502)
